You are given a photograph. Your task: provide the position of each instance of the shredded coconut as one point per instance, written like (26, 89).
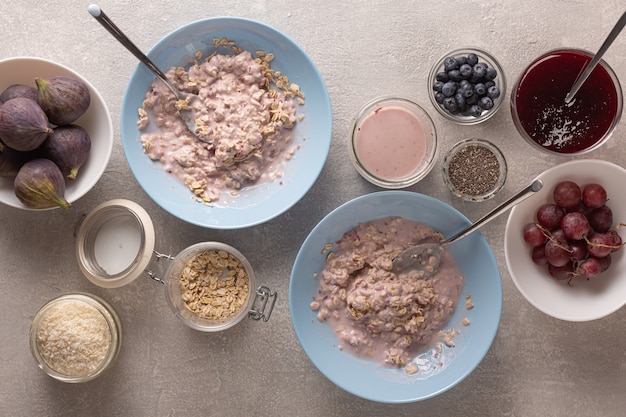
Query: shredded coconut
(73, 339)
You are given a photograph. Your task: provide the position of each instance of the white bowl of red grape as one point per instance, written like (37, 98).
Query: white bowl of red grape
(563, 247)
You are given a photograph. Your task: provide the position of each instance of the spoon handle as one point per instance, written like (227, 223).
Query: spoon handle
(517, 198)
(108, 24)
(582, 77)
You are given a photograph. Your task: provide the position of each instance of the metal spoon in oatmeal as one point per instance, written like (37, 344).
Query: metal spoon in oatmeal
(183, 100)
(426, 256)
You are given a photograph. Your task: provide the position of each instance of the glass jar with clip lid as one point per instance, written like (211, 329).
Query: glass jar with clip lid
(210, 286)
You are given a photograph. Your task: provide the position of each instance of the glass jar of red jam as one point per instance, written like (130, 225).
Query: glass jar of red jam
(544, 119)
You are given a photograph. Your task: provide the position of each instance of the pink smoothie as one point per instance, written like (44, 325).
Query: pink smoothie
(390, 143)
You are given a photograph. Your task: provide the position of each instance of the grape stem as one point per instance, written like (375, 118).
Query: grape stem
(551, 237)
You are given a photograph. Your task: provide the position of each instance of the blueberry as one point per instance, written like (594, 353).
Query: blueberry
(473, 99)
(480, 89)
(439, 97)
(493, 92)
(491, 73)
(472, 59)
(437, 85)
(489, 83)
(460, 100)
(441, 76)
(450, 64)
(486, 103)
(449, 103)
(465, 90)
(460, 60)
(455, 75)
(475, 110)
(480, 70)
(466, 70)
(449, 88)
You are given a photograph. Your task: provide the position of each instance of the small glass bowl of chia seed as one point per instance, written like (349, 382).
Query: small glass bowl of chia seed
(474, 169)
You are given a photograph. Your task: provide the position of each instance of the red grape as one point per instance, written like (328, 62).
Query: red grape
(594, 195)
(559, 235)
(574, 235)
(601, 219)
(600, 245)
(579, 250)
(561, 272)
(575, 225)
(615, 239)
(538, 255)
(590, 267)
(567, 194)
(557, 252)
(533, 235)
(605, 263)
(549, 216)
(581, 208)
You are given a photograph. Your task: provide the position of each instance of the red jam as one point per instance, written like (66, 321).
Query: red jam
(565, 128)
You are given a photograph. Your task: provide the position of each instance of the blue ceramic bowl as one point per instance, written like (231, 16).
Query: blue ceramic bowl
(255, 204)
(363, 377)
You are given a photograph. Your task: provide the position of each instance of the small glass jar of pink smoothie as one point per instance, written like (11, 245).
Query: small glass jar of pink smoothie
(393, 143)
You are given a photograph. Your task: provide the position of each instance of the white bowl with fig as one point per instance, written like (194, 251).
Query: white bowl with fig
(56, 134)
(564, 247)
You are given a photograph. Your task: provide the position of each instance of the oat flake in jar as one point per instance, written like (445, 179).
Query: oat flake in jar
(210, 286)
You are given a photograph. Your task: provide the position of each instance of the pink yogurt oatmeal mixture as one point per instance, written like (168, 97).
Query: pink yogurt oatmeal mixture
(380, 315)
(248, 123)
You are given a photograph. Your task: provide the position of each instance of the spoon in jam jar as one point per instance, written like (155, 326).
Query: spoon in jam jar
(586, 72)
(425, 257)
(184, 101)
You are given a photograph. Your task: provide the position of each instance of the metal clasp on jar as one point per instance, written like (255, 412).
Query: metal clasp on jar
(261, 301)
(155, 275)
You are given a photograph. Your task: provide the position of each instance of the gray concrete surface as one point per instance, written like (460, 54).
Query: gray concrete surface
(537, 366)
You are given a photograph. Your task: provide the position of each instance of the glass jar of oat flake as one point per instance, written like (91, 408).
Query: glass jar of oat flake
(75, 337)
(210, 286)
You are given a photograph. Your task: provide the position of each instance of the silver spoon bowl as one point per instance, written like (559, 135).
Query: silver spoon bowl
(425, 257)
(184, 101)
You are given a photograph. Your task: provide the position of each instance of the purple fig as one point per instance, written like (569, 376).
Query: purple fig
(18, 90)
(10, 161)
(68, 147)
(23, 124)
(40, 184)
(63, 98)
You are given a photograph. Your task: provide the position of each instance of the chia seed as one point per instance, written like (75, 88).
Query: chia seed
(474, 170)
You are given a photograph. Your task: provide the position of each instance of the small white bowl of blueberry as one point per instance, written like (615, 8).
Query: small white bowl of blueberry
(467, 85)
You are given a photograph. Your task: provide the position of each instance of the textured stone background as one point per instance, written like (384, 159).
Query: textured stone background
(537, 366)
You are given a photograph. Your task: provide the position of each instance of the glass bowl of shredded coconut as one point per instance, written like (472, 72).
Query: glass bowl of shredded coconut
(263, 118)
(75, 337)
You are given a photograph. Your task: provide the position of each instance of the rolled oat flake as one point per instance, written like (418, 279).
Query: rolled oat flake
(474, 170)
